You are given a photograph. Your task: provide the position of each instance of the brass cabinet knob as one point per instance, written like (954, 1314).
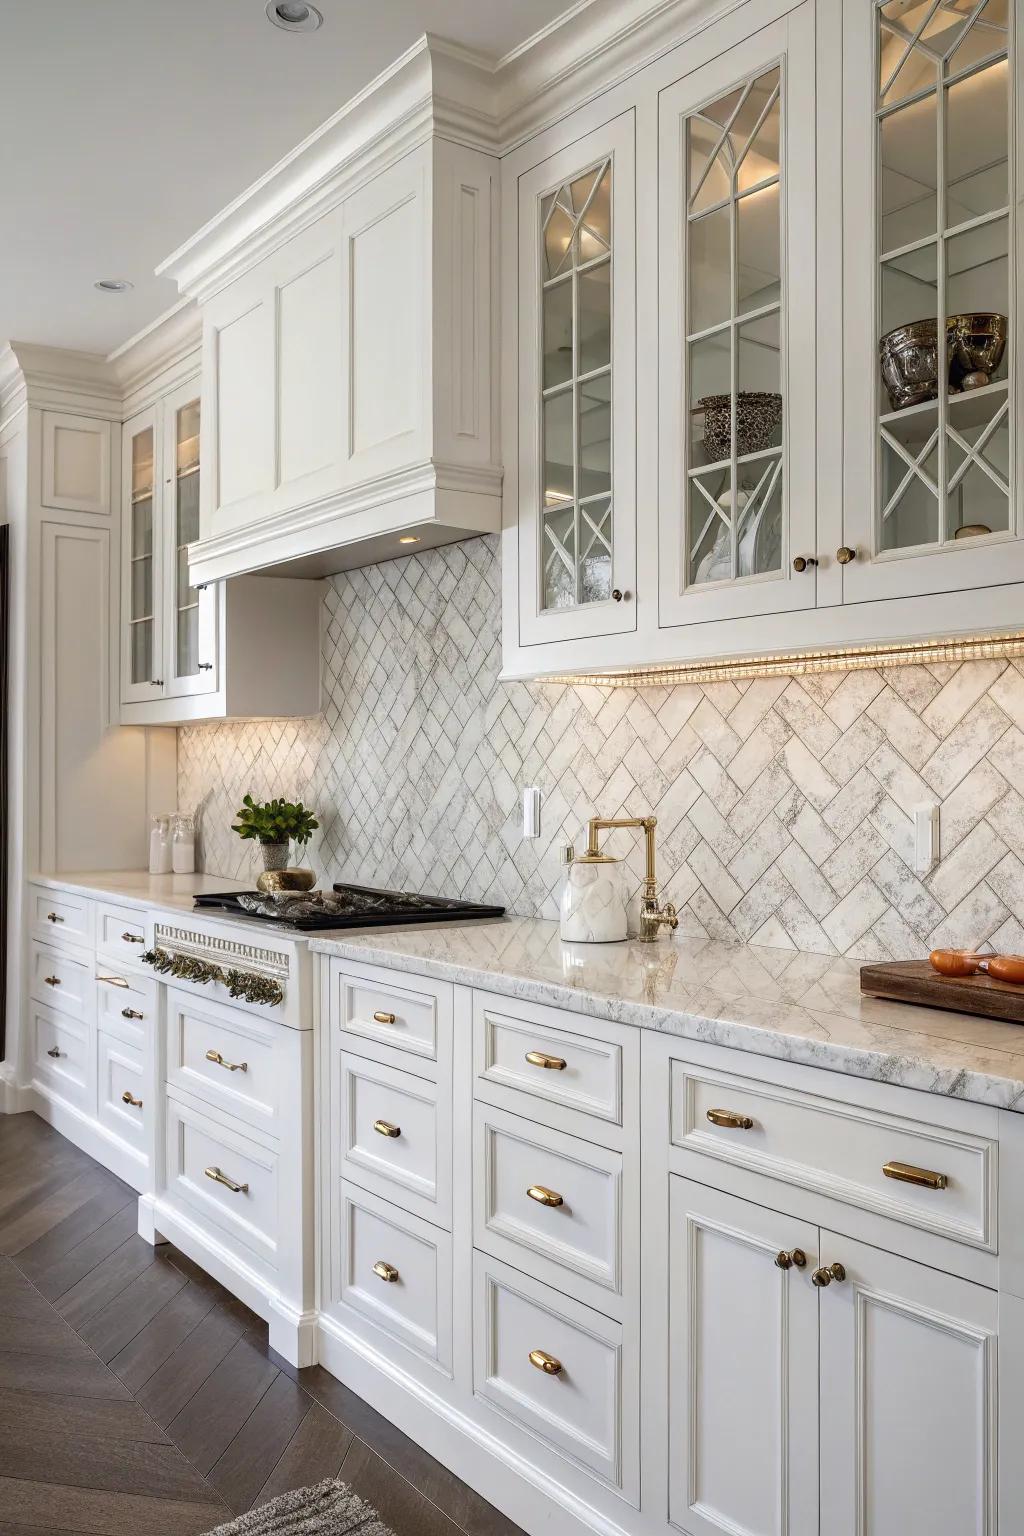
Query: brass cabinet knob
(544, 1196)
(52, 981)
(828, 1273)
(385, 1128)
(545, 1362)
(54, 1051)
(385, 1271)
(129, 1098)
(222, 1061)
(803, 562)
(906, 1173)
(844, 554)
(221, 1178)
(731, 1119)
(131, 1013)
(51, 917)
(385, 1018)
(794, 1256)
(617, 595)
(542, 1059)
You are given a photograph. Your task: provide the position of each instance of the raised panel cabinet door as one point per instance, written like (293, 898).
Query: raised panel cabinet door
(736, 334)
(237, 430)
(190, 613)
(143, 673)
(908, 1398)
(76, 463)
(743, 1367)
(577, 389)
(932, 336)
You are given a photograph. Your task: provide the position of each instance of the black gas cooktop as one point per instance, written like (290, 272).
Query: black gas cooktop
(344, 906)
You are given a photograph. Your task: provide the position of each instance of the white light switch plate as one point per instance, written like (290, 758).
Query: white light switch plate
(926, 837)
(531, 812)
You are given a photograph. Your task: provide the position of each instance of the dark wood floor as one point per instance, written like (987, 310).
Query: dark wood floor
(136, 1394)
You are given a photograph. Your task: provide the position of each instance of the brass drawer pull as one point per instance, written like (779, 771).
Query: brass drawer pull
(795, 1256)
(51, 917)
(52, 981)
(828, 1273)
(133, 938)
(906, 1173)
(129, 1098)
(385, 1128)
(544, 1196)
(131, 1013)
(222, 1178)
(542, 1059)
(385, 1271)
(54, 1051)
(385, 1018)
(730, 1119)
(545, 1362)
(229, 1066)
(113, 981)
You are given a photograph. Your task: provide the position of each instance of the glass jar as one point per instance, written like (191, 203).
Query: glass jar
(160, 846)
(183, 844)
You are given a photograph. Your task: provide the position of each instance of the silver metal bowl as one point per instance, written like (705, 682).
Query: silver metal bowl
(758, 413)
(910, 363)
(976, 344)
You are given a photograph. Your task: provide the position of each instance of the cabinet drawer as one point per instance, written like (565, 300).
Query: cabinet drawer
(841, 1150)
(59, 980)
(126, 1005)
(61, 1058)
(513, 1049)
(121, 1095)
(397, 1271)
(541, 1192)
(60, 915)
(240, 1207)
(371, 1009)
(576, 1405)
(227, 1057)
(120, 934)
(395, 1136)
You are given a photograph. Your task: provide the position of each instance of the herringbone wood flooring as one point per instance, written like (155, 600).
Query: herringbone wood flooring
(136, 1394)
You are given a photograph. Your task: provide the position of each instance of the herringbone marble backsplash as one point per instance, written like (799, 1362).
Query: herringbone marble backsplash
(783, 804)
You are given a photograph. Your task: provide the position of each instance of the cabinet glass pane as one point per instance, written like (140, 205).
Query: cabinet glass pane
(140, 556)
(142, 651)
(734, 307)
(945, 412)
(186, 522)
(576, 390)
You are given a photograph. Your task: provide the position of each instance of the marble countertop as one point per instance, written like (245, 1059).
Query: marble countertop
(771, 1002)
(138, 888)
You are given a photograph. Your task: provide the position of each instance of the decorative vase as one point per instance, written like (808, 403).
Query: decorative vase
(275, 855)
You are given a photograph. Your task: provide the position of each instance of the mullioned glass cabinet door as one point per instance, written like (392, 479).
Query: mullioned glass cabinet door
(577, 411)
(737, 331)
(142, 640)
(190, 612)
(931, 325)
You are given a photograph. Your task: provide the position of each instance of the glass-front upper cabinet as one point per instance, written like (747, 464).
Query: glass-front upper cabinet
(141, 568)
(929, 501)
(736, 162)
(577, 349)
(190, 612)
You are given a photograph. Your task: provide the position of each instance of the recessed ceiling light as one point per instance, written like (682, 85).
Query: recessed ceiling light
(409, 538)
(294, 16)
(113, 285)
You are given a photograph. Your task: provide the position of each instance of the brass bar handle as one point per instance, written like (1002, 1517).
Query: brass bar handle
(129, 1098)
(906, 1173)
(114, 981)
(385, 1128)
(542, 1059)
(385, 1271)
(51, 917)
(131, 1013)
(545, 1362)
(52, 981)
(731, 1119)
(229, 1066)
(544, 1196)
(385, 1018)
(222, 1178)
(133, 938)
(828, 1273)
(54, 1051)
(787, 1259)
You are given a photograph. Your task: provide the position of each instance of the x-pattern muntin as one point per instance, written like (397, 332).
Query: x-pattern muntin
(915, 40)
(725, 139)
(563, 201)
(754, 507)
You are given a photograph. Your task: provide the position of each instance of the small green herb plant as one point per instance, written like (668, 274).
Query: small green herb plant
(276, 821)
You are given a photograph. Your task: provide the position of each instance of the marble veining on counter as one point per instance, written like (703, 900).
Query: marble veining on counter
(794, 1007)
(138, 888)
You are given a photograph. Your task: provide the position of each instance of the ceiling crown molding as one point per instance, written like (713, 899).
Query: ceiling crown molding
(141, 360)
(56, 378)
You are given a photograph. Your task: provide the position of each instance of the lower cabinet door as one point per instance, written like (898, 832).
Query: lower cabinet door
(743, 1367)
(224, 1182)
(121, 1091)
(908, 1408)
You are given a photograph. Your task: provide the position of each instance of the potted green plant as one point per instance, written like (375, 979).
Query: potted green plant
(275, 824)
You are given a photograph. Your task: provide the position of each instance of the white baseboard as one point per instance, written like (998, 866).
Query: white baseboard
(14, 1099)
(86, 1133)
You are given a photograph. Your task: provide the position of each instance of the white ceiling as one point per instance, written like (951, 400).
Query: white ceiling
(126, 124)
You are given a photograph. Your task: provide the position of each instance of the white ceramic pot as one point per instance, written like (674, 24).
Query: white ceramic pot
(594, 902)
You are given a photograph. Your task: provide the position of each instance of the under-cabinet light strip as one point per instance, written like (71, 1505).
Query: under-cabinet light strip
(801, 663)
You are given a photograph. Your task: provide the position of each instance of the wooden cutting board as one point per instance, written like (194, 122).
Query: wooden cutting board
(914, 981)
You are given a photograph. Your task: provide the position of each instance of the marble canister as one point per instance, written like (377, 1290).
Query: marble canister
(594, 902)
